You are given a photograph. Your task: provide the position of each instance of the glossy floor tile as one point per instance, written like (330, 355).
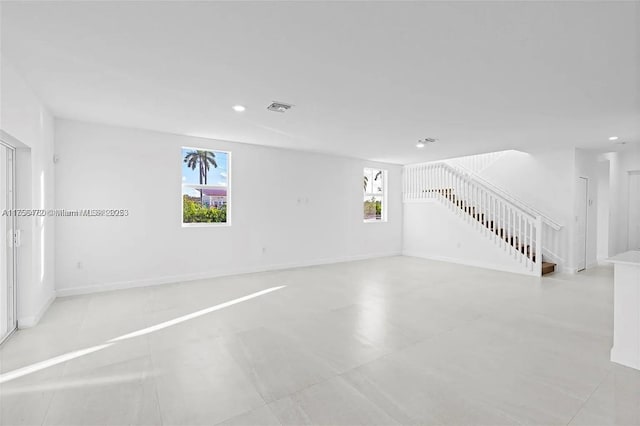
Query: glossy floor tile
(394, 340)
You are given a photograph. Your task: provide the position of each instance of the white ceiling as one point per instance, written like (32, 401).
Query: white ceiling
(368, 79)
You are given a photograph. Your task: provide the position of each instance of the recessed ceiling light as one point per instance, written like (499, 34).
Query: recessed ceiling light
(613, 138)
(420, 144)
(238, 108)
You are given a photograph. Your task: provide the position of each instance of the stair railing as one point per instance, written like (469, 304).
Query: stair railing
(510, 227)
(551, 228)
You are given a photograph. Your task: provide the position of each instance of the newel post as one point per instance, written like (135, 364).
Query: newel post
(538, 246)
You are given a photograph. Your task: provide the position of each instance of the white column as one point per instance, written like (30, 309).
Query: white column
(626, 317)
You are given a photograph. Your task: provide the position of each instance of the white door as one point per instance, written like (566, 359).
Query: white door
(7, 251)
(581, 223)
(634, 210)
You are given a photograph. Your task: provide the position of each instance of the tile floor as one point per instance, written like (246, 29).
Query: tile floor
(387, 341)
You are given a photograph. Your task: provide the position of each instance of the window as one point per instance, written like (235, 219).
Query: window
(205, 186)
(375, 192)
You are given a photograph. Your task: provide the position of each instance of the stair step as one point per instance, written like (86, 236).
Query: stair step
(548, 267)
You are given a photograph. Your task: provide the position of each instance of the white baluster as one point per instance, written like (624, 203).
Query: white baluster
(424, 186)
(520, 235)
(503, 208)
(433, 177)
(418, 188)
(413, 183)
(407, 183)
(425, 183)
(524, 237)
(420, 185)
(465, 194)
(512, 245)
(529, 243)
(425, 177)
(484, 212)
(539, 245)
(492, 213)
(404, 183)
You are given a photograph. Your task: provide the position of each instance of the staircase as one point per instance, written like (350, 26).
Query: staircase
(502, 221)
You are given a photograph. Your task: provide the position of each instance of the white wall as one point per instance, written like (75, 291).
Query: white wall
(603, 209)
(540, 179)
(289, 208)
(586, 165)
(620, 164)
(30, 128)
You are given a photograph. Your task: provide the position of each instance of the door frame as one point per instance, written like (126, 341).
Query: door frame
(582, 267)
(630, 173)
(12, 292)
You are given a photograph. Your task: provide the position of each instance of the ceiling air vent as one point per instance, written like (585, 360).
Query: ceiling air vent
(279, 107)
(422, 142)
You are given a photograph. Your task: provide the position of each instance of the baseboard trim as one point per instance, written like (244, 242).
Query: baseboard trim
(121, 285)
(466, 262)
(32, 321)
(624, 359)
(574, 270)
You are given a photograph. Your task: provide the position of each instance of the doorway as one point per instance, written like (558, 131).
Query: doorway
(581, 223)
(633, 242)
(8, 317)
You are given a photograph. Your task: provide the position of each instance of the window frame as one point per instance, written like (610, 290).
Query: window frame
(229, 191)
(383, 211)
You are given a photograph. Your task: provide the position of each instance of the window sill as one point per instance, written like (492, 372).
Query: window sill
(206, 225)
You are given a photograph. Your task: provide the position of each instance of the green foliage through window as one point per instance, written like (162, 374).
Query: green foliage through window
(372, 209)
(194, 212)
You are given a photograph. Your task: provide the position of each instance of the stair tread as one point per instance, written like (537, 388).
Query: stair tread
(548, 267)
